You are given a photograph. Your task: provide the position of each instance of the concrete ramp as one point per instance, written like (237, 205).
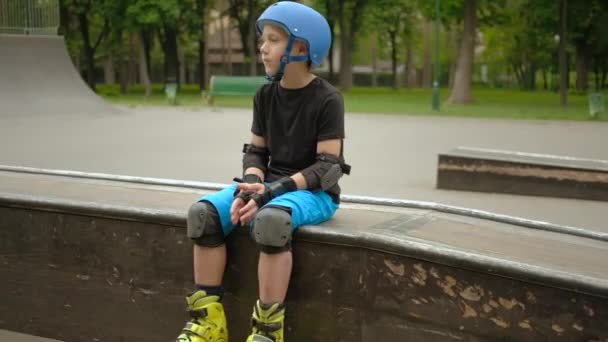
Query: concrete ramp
(10, 336)
(37, 77)
(86, 259)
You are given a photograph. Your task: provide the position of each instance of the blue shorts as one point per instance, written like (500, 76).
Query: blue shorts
(306, 207)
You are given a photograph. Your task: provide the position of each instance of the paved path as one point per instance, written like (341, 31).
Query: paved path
(392, 156)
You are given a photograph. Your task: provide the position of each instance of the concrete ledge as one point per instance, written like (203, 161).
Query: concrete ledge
(73, 248)
(522, 173)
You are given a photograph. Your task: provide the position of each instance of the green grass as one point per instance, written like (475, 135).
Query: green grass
(489, 103)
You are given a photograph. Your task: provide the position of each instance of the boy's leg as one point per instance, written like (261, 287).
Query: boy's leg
(275, 224)
(208, 224)
(207, 227)
(209, 264)
(274, 272)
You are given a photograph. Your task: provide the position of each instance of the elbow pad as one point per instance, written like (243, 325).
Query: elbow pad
(325, 173)
(254, 156)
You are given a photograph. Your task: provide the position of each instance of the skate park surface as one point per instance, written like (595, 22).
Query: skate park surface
(58, 125)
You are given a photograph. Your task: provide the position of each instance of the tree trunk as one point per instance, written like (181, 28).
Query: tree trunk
(582, 66)
(529, 77)
(229, 49)
(452, 49)
(147, 44)
(563, 63)
(202, 44)
(409, 77)
(596, 74)
(225, 53)
(393, 42)
(132, 64)
(64, 18)
(124, 76)
(427, 69)
(122, 63)
(143, 65)
(346, 72)
(181, 64)
(250, 37)
(89, 53)
(545, 83)
(109, 75)
(171, 55)
(374, 55)
(346, 65)
(331, 22)
(253, 65)
(461, 92)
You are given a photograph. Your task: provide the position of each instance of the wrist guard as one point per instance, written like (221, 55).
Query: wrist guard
(273, 190)
(249, 178)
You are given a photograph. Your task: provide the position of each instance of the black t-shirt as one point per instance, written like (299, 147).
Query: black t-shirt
(292, 121)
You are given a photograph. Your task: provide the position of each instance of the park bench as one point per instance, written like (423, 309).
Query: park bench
(233, 86)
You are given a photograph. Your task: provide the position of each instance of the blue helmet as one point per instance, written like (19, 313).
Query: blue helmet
(302, 23)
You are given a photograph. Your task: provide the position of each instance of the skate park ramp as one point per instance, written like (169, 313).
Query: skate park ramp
(37, 77)
(103, 257)
(17, 337)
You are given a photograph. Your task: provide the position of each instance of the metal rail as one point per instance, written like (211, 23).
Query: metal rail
(444, 208)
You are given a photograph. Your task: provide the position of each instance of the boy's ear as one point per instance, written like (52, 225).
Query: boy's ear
(301, 48)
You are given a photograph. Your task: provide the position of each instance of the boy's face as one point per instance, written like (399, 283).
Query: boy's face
(273, 43)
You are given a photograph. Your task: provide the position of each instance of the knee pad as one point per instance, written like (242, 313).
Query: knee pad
(272, 229)
(204, 227)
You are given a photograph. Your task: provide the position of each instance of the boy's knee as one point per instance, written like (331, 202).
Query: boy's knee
(272, 229)
(204, 227)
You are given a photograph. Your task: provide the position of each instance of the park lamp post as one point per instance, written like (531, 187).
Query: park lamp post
(436, 62)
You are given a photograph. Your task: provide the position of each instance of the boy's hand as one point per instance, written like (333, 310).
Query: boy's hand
(237, 204)
(244, 212)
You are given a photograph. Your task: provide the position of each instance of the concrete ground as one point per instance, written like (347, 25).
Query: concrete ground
(392, 156)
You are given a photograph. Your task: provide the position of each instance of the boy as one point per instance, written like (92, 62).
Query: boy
(290, 175)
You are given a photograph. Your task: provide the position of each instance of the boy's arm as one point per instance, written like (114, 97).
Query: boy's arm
(322, 175)
(255, 160)
(328, 147)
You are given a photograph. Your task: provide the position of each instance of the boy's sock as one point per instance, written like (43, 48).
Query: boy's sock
(211, 290)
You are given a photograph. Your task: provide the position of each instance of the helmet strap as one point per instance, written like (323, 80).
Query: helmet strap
(285, 59)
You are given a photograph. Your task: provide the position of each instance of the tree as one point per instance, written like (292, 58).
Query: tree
(90, 16)
(393, 19)
(476, 13)
(337, 13)
(585, 29)
(563, 68)
(524, 43)
(202, 10)
(145, 17)
(329, 8)
(600, 49)
(245, 13)
(350, 19)
(461, 91)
